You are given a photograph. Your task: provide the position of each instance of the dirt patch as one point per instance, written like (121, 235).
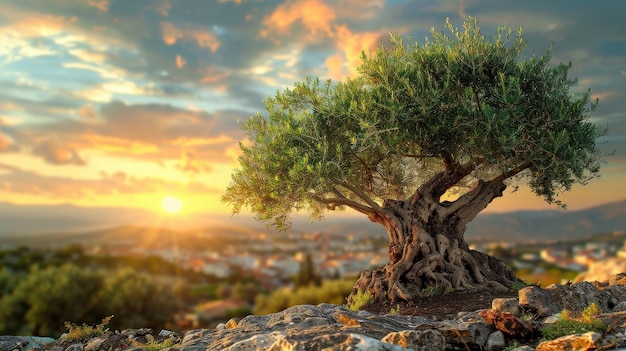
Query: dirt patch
(442, 306)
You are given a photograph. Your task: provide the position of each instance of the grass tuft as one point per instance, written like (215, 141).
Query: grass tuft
(83, 332)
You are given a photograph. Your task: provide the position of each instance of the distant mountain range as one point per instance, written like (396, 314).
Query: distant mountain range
(41, 220)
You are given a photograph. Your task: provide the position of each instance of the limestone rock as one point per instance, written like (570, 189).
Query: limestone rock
(575, 297)
(418, 340)
(584, 342)
(537, 299)
(23, 343)
(507, 322)
(495, 341)
(469, 330)
(510, 305)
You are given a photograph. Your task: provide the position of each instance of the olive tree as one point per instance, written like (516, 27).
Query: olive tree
(421, 141)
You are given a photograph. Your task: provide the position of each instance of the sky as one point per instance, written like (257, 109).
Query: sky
(124, 102)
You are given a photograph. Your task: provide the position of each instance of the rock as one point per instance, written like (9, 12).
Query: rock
(537, 299)
(620, 307)
(468, 331)
(507, 322)
(232, 323)
(23, 343)
(165, 333)
(425, 340)
(523, 348)
(95, 344)
(75, 347)
(510, 305)
(576, 297)
(495, 341)
(583, 342)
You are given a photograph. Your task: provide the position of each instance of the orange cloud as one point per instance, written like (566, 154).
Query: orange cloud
(210, 75)
(6, 145)
(88, 113)
(180, 61)
(57, 152)
(352, 44)
(335, 67)
(171, 34)
(189, 163)
(164, 7)
(314, 14)
(102, 5)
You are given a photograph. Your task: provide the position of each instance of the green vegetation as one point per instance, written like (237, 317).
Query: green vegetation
(396, 310)
(518, 285)
(84, 332)
(153, 345)
(568, 324)
(360, 299)
(38, 293)
(331, 291)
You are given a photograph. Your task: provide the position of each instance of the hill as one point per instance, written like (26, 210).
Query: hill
(28, 224)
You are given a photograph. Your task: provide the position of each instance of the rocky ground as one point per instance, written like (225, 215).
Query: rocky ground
(453, 321)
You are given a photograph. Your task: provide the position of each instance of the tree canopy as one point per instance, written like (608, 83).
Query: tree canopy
(460, 102)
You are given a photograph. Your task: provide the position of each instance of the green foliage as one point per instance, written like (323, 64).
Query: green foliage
(306, 274)
(568, 324)
(519, 284)
(460, 97)
(513, 345)
(38, 302)
(238, 312)
(430, 290)
(360, 299)
(153, 345)
(44, 298)
(396, 310)
(331, 291)
(137, 300)
(84, 332)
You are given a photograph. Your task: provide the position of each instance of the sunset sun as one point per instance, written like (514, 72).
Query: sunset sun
(171, 204)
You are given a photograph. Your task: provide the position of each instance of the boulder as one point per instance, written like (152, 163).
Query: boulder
(584, 342)
(424, 340)
(510, 305)
(495, 341)
(507, 323)
(23, 343)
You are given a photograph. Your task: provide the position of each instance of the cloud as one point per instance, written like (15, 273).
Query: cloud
(315, 15)
(101, 5)
(202, 37)
(6, 145)
(19, 181)
(58, 153)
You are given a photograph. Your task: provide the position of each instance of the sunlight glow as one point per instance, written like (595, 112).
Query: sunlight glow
(171, 204)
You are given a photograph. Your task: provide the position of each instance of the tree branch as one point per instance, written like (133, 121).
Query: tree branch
(471, 203)
(441, 182)
(363, 196)
(334, 201)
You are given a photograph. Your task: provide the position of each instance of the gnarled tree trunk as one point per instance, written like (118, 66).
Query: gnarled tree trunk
(427, 249)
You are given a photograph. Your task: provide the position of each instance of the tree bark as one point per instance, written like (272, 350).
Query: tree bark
(427, 251)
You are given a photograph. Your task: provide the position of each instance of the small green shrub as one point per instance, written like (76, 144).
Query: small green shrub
(396, 310)
(430, 290)
(360, 299)
(519, 284)
(83, 332)
(568, 324)
(512, 345)
(153, 345)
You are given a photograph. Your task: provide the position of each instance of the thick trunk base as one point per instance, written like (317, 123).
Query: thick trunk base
(451, 269)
